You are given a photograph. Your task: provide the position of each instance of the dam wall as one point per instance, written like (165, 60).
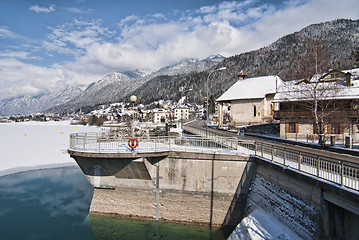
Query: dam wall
(195, 188)
(221, 190)
(311, 208)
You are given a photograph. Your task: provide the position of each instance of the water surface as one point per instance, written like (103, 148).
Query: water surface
(54, 204)
(112, 227)
(45, 204)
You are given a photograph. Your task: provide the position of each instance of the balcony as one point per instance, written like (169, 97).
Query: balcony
(348, 114)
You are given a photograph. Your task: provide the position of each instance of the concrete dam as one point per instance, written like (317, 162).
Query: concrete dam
(219, 181)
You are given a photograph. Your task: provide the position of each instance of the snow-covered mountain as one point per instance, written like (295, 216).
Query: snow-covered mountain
(190, 65)
(33, 104)
(138, 73)
(110, 88)
(116, 86)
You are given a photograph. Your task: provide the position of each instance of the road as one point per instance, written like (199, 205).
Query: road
(200, 124)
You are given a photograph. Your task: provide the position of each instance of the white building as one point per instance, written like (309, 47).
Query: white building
(181, 113)
(250, 99)
(160, 116)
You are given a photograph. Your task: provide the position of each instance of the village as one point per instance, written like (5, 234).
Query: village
(264, 105)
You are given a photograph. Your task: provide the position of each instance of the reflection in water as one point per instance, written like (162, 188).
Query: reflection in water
(54, 204)
(112, 227)
(45, 204)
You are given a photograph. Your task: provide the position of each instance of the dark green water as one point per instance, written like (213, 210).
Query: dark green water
(45, 204)
(54, 204)
(107, 227)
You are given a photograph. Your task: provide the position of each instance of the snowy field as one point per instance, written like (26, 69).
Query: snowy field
(35, 145)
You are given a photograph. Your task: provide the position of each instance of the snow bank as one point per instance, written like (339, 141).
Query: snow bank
(261, 225)
(35, 145)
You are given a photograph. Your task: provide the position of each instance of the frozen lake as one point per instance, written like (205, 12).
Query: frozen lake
(33, 145)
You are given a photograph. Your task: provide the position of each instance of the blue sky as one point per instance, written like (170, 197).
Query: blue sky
(46, 45)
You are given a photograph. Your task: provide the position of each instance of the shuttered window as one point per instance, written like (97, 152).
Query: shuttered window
(315, 129)
(335, 128)
(291, 127)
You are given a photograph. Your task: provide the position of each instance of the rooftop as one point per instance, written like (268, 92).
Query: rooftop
(251, 88)
(322, 87)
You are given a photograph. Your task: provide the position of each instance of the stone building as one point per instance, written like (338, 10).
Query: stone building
(336, 95)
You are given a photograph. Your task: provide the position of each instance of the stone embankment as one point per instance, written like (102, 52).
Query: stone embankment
(174, 205)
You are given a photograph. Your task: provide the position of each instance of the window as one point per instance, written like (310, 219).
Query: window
(315, 129)
(335, 128)
(254, 111)
(291, 127)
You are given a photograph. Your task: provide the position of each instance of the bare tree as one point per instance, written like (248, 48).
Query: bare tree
(320, 97)
(318, 89)
(313, 61)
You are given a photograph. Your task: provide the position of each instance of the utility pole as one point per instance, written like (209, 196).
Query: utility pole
(157, 191)
(219, 69)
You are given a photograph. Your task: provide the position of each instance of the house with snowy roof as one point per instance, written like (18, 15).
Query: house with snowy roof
(250, 100)
(326, 105)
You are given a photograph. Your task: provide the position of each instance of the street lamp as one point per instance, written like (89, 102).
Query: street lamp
(133, 99)
(219, 69)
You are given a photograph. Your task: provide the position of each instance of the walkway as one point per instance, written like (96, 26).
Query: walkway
(101, 143)
(329, 169)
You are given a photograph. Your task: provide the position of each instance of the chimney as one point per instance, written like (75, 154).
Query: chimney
(242, 75)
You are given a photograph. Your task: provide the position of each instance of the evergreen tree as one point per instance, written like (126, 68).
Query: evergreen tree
(356, 56)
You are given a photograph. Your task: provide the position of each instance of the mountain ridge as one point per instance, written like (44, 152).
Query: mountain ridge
(107, 89)
(339, 37)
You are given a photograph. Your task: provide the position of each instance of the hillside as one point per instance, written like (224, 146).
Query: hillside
(117, 86)
(339, 38)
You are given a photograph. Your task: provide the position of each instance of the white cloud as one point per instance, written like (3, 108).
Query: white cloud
(19, 78)
(228, 28)
(79, 10)
(38, 9)
(6, 33)
(295, 15)
(18, 55)
(73, 38)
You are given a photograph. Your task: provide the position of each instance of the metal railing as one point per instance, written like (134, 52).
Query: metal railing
(102, 143)
(338, 171)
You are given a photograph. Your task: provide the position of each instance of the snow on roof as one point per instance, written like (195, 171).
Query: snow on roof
(251, 88)
(354, 72)
(302, 91)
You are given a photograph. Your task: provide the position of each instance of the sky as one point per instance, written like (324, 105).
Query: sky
(47, 45)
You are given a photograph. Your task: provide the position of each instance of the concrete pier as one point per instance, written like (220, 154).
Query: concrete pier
(215, 182)
(195, 187)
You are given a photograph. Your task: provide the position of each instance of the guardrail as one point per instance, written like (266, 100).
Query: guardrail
(338, 171)
(102, 143)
